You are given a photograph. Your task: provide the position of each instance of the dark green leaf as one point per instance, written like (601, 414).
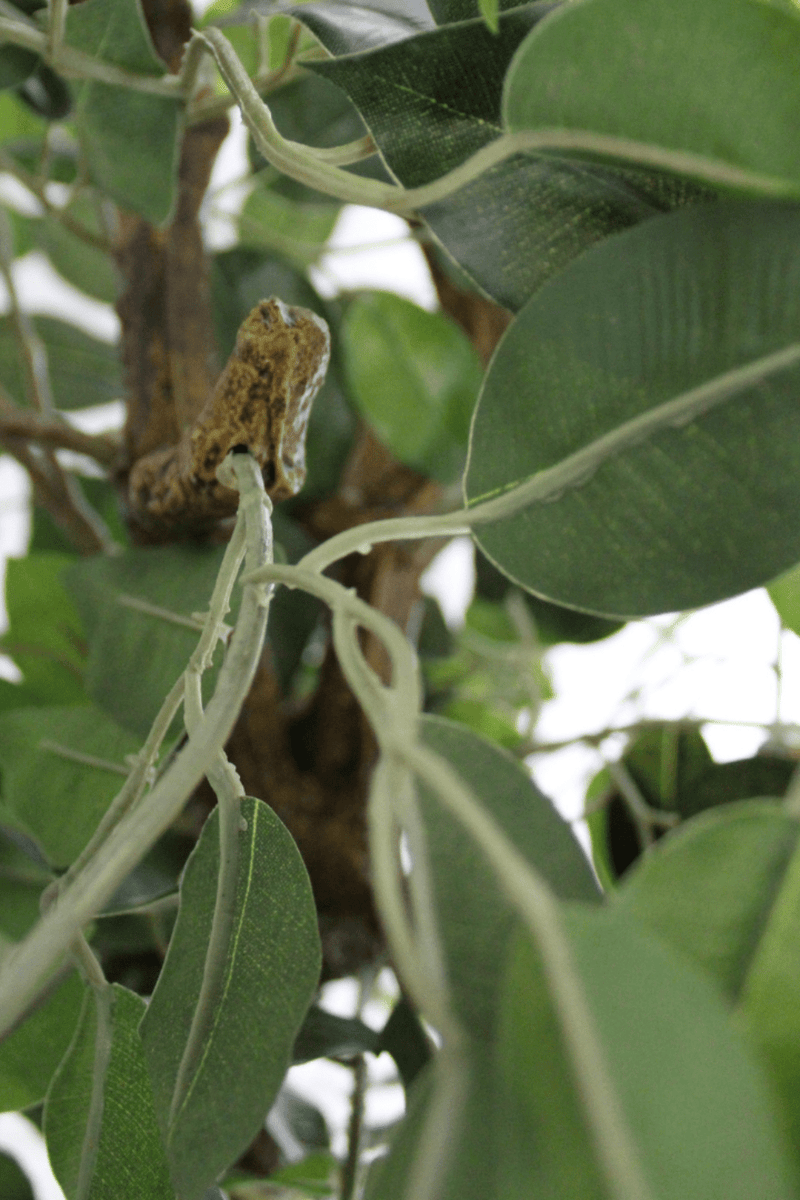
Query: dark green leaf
(714, 78)
(82, 264)
(646, 319)
(147, 652)
(99, 1123)
(46, 93)
(212, 1095)
(16, 64)
(476, 920)
(49, 796)
(22, 881)
(324, 1035)
(433, 100)
(415, 378)
(553, 622)
(404, 1037)
(14, 1185)
(130, 138)
(674, 772)
(45, 637)
(83, 370)
(448, 11)
(351, 28)
(30, 1055)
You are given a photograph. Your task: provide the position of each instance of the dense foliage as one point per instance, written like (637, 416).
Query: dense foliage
(608, 196)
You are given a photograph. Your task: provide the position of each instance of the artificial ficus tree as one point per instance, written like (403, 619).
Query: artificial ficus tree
(315, 776)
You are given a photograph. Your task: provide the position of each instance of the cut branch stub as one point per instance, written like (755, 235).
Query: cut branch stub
(262, 401)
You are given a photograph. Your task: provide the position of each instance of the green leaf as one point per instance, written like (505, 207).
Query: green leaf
(324, 1035)
(602, 373)
(147, 651)
(345, 28)
(16, 64)
(432, 101)
(29, 1056)
(553, 622)
(674, 772)
(784, 592)
(83, 370)
(709, 887)
(415, 378)
(14, 1184)
(85, 266)
(690, 1100)
(130, 138)
(475, 917)
(17, 122)
(768, 1004)
(53, 798)
(253, 998)
(713, 78)
(44, 637)
(101, 1133)
(447, 11)
(296, 230)
(489, 11)
(22, 881)
(723, 890)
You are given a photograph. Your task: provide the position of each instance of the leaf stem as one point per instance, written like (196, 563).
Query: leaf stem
(572, 472)
(27, 968)
(77, 64)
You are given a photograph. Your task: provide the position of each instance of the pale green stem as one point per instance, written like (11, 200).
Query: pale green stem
(290, 158)
(438, 1139)
(228, 789)
(26, 969)
(76, 63)
(572, 472)
(56, 25)
(88, 760)
(196, 624)
(533, 900)
(102, 998)
(294, 160)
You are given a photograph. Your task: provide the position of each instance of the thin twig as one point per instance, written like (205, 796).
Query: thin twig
(103, 448)
(56, 492)
(349, 1174)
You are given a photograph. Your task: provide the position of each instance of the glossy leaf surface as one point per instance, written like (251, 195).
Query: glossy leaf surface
(213, 1094)
(661, 371)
